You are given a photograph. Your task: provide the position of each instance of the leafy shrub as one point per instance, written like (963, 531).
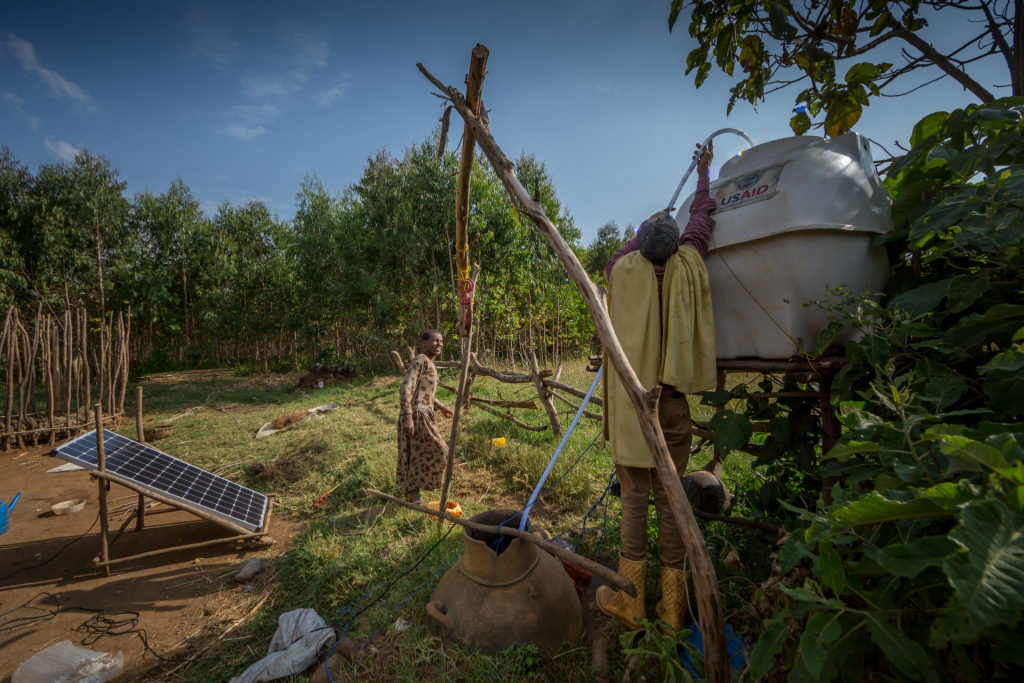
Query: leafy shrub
(916, 570)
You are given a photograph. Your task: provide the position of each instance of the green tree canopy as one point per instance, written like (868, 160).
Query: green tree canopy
(831, 50)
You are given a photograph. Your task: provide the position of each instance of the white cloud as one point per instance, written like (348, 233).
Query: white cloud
(63, 150)
(279, 85)
(299, 54)
(242, 131)
(325, 98)
(607, 88)
(18, 105)
(60, 88)
(248, 122)
(255, 113)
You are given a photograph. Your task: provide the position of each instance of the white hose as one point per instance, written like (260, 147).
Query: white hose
(693, 164)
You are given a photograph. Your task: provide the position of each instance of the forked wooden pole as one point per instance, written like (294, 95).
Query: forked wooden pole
(140, 515)
(460, 400)
(545, 399)
(101, 463)
(644, 402)
(474, 86)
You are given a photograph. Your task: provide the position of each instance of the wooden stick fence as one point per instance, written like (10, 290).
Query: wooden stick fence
(51, 364)
(543, 379)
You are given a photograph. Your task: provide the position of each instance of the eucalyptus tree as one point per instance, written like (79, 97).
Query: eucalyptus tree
(258, 293)
(167, 259)
(15, 227)
(80, 215)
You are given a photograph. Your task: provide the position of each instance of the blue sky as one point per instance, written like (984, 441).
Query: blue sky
(241, 100)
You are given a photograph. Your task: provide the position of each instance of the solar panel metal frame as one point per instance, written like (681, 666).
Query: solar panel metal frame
(153, 470)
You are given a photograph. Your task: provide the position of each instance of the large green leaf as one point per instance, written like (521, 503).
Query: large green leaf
(821, 630)
(974, 330)
(874, 508)
(971, 453)
(830, 566)
(909, 559)
(923, 299)
(927, 127)
(906, 655)
(949, 496)
(730, 431)
(964, 290)
(843, 451)
(768, 645)
(1004, 382)
(989, 578)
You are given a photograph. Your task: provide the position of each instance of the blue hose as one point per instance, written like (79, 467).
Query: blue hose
(558, 451)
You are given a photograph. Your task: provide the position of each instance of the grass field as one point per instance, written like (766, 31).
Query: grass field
(363, 571)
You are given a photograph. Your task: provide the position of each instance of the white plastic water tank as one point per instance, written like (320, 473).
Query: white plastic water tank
(794, 219)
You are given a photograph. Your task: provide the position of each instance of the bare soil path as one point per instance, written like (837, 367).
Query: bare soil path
(46, 560)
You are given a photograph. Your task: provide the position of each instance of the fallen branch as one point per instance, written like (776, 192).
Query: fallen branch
(586, 413)
(558, 551)
(596, 400)
(738, 520)
(507, 377)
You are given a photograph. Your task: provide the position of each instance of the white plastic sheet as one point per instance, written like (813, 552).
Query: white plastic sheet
(67, 663)
(300, 636)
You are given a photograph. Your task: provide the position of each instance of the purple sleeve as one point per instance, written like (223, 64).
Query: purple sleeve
(623, 250)
(698, 229)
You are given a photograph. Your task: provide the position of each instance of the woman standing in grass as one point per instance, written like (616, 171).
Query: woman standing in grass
(422, 453)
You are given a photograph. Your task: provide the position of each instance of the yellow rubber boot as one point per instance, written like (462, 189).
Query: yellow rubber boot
(674, 597)
(619, 604)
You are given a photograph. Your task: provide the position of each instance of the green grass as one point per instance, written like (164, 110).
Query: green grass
(342, 560)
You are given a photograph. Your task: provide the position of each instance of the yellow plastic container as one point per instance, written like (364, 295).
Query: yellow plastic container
(499, 442)
(451, 507)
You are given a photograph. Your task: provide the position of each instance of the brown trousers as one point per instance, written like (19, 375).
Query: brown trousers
(637, 482)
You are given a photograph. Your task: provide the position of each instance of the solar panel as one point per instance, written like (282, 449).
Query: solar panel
(176, 479)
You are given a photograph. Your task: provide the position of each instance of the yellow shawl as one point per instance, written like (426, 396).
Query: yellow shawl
(680, 354)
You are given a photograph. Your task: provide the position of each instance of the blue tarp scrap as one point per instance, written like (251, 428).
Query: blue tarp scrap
(735, 647)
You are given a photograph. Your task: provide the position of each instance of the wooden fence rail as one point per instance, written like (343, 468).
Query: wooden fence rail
(544, 380)
(53, 364)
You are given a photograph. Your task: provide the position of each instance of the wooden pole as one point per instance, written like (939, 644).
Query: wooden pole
(644, 402)
(101, 463)
(21, 368)
(460, 400)
(257, 536)
(7, 348)
(831, 430)
(474, 86)
(50, 393)
(68, 339)
(605, 573)
(545, 399)
(140, 435)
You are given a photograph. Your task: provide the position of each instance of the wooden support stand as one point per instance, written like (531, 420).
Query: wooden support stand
(104, 478)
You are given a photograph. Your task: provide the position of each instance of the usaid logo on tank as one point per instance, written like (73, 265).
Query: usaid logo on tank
(734, 192)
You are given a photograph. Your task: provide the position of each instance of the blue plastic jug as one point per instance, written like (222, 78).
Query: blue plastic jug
(4, 509)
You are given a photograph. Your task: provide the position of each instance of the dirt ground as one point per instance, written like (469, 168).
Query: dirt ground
(176, 595)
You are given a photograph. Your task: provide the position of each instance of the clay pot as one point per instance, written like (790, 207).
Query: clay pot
(490, 600)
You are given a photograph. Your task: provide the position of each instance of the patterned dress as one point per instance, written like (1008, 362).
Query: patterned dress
(422, 456)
